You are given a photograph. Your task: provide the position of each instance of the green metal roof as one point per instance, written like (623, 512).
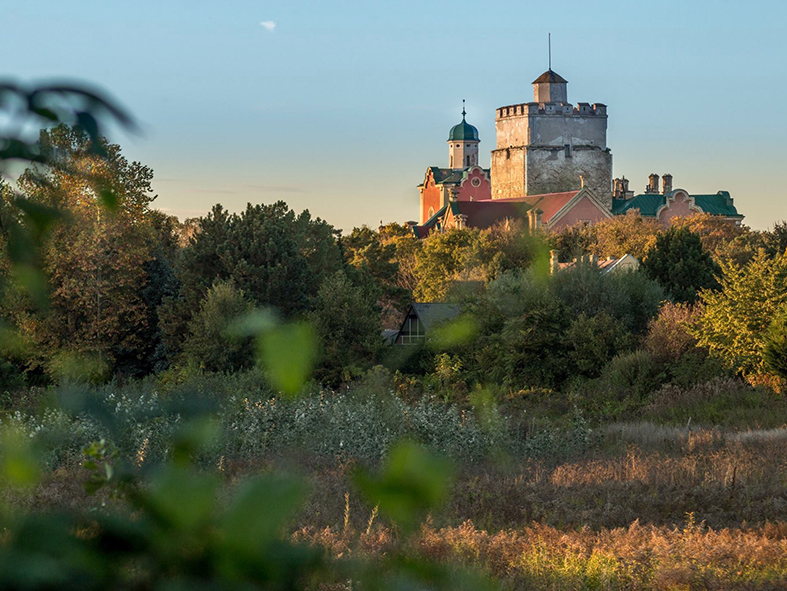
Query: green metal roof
(649, 203)
(463, 132)
(718, 204)
(436, 216)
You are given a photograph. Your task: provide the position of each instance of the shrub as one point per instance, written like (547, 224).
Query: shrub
(668, 337)
(593, 341)
(719, 401)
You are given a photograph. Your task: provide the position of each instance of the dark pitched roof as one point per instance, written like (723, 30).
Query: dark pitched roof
(551, 77)
(433, 313)
(448, 175)
(649, 203)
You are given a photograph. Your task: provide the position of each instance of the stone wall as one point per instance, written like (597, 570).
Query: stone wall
(508, 173)
(517, 172)
(551, 125)
(553, 170)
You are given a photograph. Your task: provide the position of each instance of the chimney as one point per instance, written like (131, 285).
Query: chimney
(653, 184)
(554, 263)
(666, 183)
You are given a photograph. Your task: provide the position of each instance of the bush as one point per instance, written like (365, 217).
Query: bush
(719, 401)
(624, 385)
(593, 341)
(668, 338)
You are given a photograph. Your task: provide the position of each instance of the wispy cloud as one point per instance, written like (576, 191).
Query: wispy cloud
(268, 25)
(275, 188)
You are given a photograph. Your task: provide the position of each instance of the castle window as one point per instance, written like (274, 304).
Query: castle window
(567, 147)
(468, 160)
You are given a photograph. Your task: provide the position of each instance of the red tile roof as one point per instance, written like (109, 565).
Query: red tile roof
(497, 209)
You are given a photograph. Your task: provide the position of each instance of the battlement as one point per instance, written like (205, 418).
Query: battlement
(561, 109)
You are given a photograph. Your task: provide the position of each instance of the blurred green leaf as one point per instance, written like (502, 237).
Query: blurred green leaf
(254, 324)
(413, 482)
(288, 353)
(484, 405)
(78, 366)
(19, 462)
(182, 498)
(195, 435)
(259, 510)
(454, 333)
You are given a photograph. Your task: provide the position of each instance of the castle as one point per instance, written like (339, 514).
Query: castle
(551, 167)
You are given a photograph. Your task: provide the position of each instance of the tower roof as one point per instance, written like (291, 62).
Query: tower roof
(550, 77)
(463, 131)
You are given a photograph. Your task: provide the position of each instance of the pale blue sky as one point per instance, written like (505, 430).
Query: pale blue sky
(340, 108)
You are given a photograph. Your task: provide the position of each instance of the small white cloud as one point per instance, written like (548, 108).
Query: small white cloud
(268, 25)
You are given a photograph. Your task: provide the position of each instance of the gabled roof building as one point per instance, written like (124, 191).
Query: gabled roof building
(420, 319)
(551, 167)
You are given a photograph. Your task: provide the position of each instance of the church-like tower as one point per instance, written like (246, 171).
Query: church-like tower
(463, 143)
(551, 146)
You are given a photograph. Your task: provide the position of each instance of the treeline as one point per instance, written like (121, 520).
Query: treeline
(134, 292)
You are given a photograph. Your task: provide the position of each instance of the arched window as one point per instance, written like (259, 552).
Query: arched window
(468, 159)
(431, 212)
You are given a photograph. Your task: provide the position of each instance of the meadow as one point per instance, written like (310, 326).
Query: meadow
(539, 500)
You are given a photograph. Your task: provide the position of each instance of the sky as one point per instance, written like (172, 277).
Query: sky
(339, 106)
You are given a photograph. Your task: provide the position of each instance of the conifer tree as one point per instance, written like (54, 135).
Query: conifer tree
(680, 264)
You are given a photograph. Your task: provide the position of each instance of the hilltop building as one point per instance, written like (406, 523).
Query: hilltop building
(551, 166)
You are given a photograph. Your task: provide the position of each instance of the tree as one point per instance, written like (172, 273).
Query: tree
(376, 254)
(210, 344)
(715, 232)
(736, 318)
(94, 260)
(625, 234)
(573, 241)
(679, 263)
(775, 240)
(346, 318)
(774, 353)
(443, 259)
(276, 258)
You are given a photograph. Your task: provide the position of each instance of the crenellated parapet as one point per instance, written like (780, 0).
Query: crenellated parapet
(559, 109)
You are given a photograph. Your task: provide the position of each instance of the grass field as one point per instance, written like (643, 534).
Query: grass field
(634, 505)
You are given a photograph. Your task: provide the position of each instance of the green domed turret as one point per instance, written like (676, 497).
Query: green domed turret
(463, 131)
(463, 144)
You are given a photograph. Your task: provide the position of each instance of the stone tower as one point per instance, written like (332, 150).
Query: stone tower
(550, 145)
(463, 145)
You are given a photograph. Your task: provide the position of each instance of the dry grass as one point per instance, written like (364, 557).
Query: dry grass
(649, 507)
(636, 557)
